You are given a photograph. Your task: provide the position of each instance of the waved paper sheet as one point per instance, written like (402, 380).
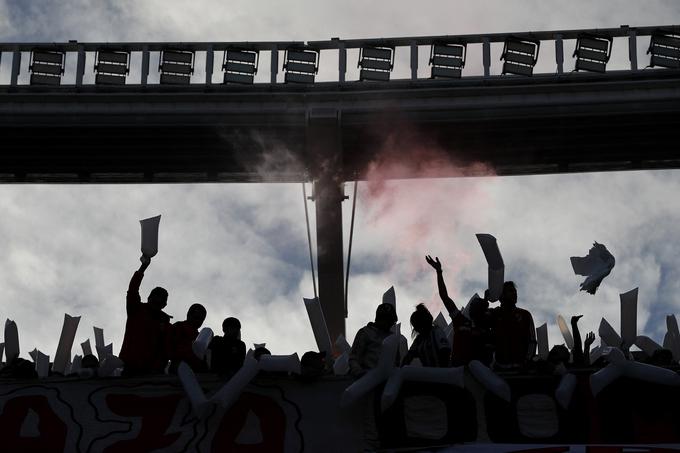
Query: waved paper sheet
(608, 334)
(2, 350)
(192, 389)
(595, 267)
(42, 364)
(440, 321)
(68, 335)
(565, 390)
(202, 341)
(150, 235)
(566, 333)
(542, 340)
(230, 392)
(490, 380)
(77, 364)
(281, 363)
(629, 317)
(495, 262)
(341, 364)
(647, 345)
(374, 376)
(341, 344)
(318, 322)
(11, 340)
(98, 337)
(452, 376)
(87, 348)
(390, 297)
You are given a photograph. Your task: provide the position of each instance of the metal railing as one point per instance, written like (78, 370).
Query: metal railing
(665, 38)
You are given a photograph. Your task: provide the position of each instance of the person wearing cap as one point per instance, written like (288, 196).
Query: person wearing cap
(368, 340)
(143, 350)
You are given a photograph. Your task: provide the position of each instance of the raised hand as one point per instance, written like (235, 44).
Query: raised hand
(145, 262)
(590, 338)
(434, 263)
(574, 319)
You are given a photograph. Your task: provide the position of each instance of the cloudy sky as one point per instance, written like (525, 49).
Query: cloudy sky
(241, 249)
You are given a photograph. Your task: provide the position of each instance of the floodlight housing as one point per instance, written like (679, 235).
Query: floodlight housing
(111, 66)
(301, 65)
(240, 66)
(376, 63)
(176, 66)
(665, 49)
(520, 56)
(447, 60)
(592, 53)
(47, 67)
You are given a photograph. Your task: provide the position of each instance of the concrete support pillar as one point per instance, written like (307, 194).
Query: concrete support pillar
(325, 149)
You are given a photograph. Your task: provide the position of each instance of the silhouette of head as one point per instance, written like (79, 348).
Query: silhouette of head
(421, 319)
(196, 315)
(558, 354)
(509, 295)
(231, 327)
(385, 316)
(89, 361)
(158, 298)
(478, 310)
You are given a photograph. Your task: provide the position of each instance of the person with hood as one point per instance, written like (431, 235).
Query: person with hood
(368, 340)
(143, 349)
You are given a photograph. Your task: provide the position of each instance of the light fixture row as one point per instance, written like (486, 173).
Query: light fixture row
(301, 64)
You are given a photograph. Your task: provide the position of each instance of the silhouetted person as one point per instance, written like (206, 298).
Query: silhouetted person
(471, 337)
(430, 344)
(143, 349)
(558, 359)
(580, 354)
(513, 331)
(181, 336)
(227, 353)
(368, 340)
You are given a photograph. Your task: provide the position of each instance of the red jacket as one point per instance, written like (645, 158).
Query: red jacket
(143, 349)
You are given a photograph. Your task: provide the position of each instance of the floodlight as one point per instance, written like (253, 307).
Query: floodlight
(665, 50)
(111, 66)
(240, 66)
(447, 60)
(592, 53)
(176, 67)
(519, 56)
(301, 65)
(46, 67)
(376, 63)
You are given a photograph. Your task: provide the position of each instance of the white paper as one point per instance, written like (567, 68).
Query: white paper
(629, 317)
(87, 349)
(11, 340)
(77, 364)
(109, 365)
(42, 364)
(440, 321)
(672, 338)
(566, 333)
(390, 297)
(99, 338)
(451, 376)
(495, 263)
(2, 350)
(341, 344)
(608, 334)
(595, 266)
(68, 335)
(341, 364)
(323, 340)
(150, 235)
(104, 352)
(672, 325)
(542, 340)
(565, 390)
(202, 341)
(490, 380)
(259, 345)
(193, 390)
(374, 376)
(33, 354)
(647, 345)
(280, 363)
(230, 391)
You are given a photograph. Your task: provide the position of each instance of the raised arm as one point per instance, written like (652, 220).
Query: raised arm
(443, 293)
(133, 299)
(590, 338)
